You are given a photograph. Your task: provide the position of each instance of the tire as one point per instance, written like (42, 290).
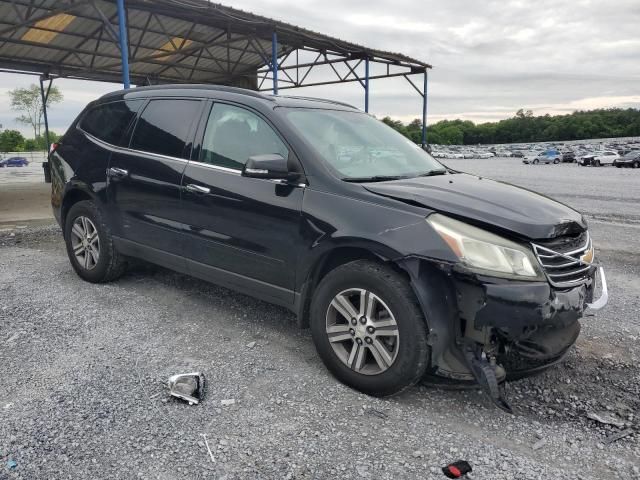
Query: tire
(635, 164)
(109, 264)
(536, 161)
(596, 163)
(556, 161)
(392, 294)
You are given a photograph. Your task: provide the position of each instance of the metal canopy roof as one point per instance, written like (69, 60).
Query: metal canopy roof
(181, 41)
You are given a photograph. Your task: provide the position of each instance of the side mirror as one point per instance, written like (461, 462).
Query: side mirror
(272, 166)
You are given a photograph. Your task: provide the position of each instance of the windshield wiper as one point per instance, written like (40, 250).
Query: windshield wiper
(432, 173)
(375, 178)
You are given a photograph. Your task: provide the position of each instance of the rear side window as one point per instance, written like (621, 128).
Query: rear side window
(164, 127)
(109, 121)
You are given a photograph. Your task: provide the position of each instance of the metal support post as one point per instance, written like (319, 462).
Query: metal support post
(274, 61)
(124, 44)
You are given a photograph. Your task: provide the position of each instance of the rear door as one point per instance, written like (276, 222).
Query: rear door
(242, 232)
(144, 179)
(87, 149)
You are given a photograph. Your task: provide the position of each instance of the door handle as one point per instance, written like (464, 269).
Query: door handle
(117, 172)
(196, 189)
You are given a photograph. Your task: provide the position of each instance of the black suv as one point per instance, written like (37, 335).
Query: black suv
(402, 267)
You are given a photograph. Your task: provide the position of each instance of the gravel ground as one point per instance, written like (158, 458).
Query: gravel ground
(83, 366)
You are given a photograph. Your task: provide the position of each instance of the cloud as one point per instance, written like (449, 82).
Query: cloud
(490, 58)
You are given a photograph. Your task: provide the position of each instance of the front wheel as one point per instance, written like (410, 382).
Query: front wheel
(635, 165)
(536, 161)
(90, 245)
(596, 163)
(556, 161)
(368, 328)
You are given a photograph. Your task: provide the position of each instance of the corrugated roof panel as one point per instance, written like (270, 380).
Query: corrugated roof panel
(175, 44)
(47, 29)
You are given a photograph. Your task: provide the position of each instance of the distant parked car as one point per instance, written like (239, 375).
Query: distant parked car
(548, 156)
(585, 160)
(518, 154)
(630, 159)
(503, 153)
(14, 162)
(606, 157)
(568, 157)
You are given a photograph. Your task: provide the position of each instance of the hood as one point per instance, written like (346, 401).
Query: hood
(507, 207)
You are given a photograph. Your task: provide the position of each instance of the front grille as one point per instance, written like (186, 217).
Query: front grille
(561, 259)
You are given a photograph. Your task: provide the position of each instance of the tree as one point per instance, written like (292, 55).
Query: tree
(525, 127)
(11, 141)
(451, 135)
(29, 102)
(40, 143)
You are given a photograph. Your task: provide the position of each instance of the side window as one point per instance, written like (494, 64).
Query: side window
(164, 127)
(234, 134)
(109, 121)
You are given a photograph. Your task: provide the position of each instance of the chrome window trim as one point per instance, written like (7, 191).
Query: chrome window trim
(216, 167)
(116, 148)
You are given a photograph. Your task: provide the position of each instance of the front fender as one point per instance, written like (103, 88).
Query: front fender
(333, 221)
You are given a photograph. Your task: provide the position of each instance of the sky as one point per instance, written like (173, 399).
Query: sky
(490, 58)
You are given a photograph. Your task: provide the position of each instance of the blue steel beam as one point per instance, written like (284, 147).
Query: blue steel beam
(274, 61)
(366, 84)
(424, 111)
(124, 44)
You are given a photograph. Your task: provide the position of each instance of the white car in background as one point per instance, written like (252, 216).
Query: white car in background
(596, 159)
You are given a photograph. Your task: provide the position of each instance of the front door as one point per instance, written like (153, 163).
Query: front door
(144, 179)
(242, 232)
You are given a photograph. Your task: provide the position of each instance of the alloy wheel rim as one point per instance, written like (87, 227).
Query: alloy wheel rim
(362, 331)
(85, 243)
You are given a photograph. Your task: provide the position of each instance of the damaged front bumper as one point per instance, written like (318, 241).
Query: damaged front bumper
(483, 330)
(519, 326)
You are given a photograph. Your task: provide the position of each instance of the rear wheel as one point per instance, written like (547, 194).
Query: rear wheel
(369, 329)
(90, 245)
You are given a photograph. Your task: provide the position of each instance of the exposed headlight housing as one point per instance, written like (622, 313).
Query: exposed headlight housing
(485, 252)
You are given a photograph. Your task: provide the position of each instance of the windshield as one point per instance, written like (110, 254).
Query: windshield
(632, 154)
(361, 148)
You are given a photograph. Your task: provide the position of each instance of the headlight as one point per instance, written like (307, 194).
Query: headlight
(486, 252)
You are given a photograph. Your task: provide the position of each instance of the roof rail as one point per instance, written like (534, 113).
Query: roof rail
(199, 86)
(316, 99)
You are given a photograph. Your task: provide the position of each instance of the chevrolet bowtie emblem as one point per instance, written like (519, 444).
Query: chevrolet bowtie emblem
(588, 256)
